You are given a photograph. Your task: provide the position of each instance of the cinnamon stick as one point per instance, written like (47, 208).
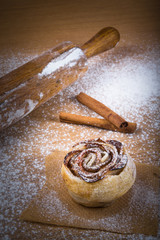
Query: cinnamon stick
(102, 110)
(96, 122)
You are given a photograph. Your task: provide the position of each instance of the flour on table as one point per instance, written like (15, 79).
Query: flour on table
(127, 82)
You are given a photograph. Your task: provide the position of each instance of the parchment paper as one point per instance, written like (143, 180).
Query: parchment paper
(135, 212)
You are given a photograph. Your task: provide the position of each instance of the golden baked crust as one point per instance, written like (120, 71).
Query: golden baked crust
(103, 191)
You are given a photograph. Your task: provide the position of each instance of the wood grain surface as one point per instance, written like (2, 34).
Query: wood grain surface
(29, 28)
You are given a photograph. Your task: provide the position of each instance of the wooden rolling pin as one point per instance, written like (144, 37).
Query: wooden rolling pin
(34, 83)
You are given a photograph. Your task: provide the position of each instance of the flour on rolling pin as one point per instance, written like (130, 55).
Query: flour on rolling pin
(55, 76)
(47, 75)
(68, 59)
(11, 115)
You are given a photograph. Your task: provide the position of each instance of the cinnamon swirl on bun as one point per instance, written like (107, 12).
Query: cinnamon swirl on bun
(97, 172)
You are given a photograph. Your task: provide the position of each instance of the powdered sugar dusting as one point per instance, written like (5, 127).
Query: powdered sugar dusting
(128, 83)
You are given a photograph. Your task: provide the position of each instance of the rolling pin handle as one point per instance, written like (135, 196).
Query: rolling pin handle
(104, 40)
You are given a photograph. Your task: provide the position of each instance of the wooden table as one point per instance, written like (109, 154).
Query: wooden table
(27, 29)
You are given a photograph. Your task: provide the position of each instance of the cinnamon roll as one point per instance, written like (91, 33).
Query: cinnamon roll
(97, 172)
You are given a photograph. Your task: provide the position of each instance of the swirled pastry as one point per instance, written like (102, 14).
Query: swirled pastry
(97, 172)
